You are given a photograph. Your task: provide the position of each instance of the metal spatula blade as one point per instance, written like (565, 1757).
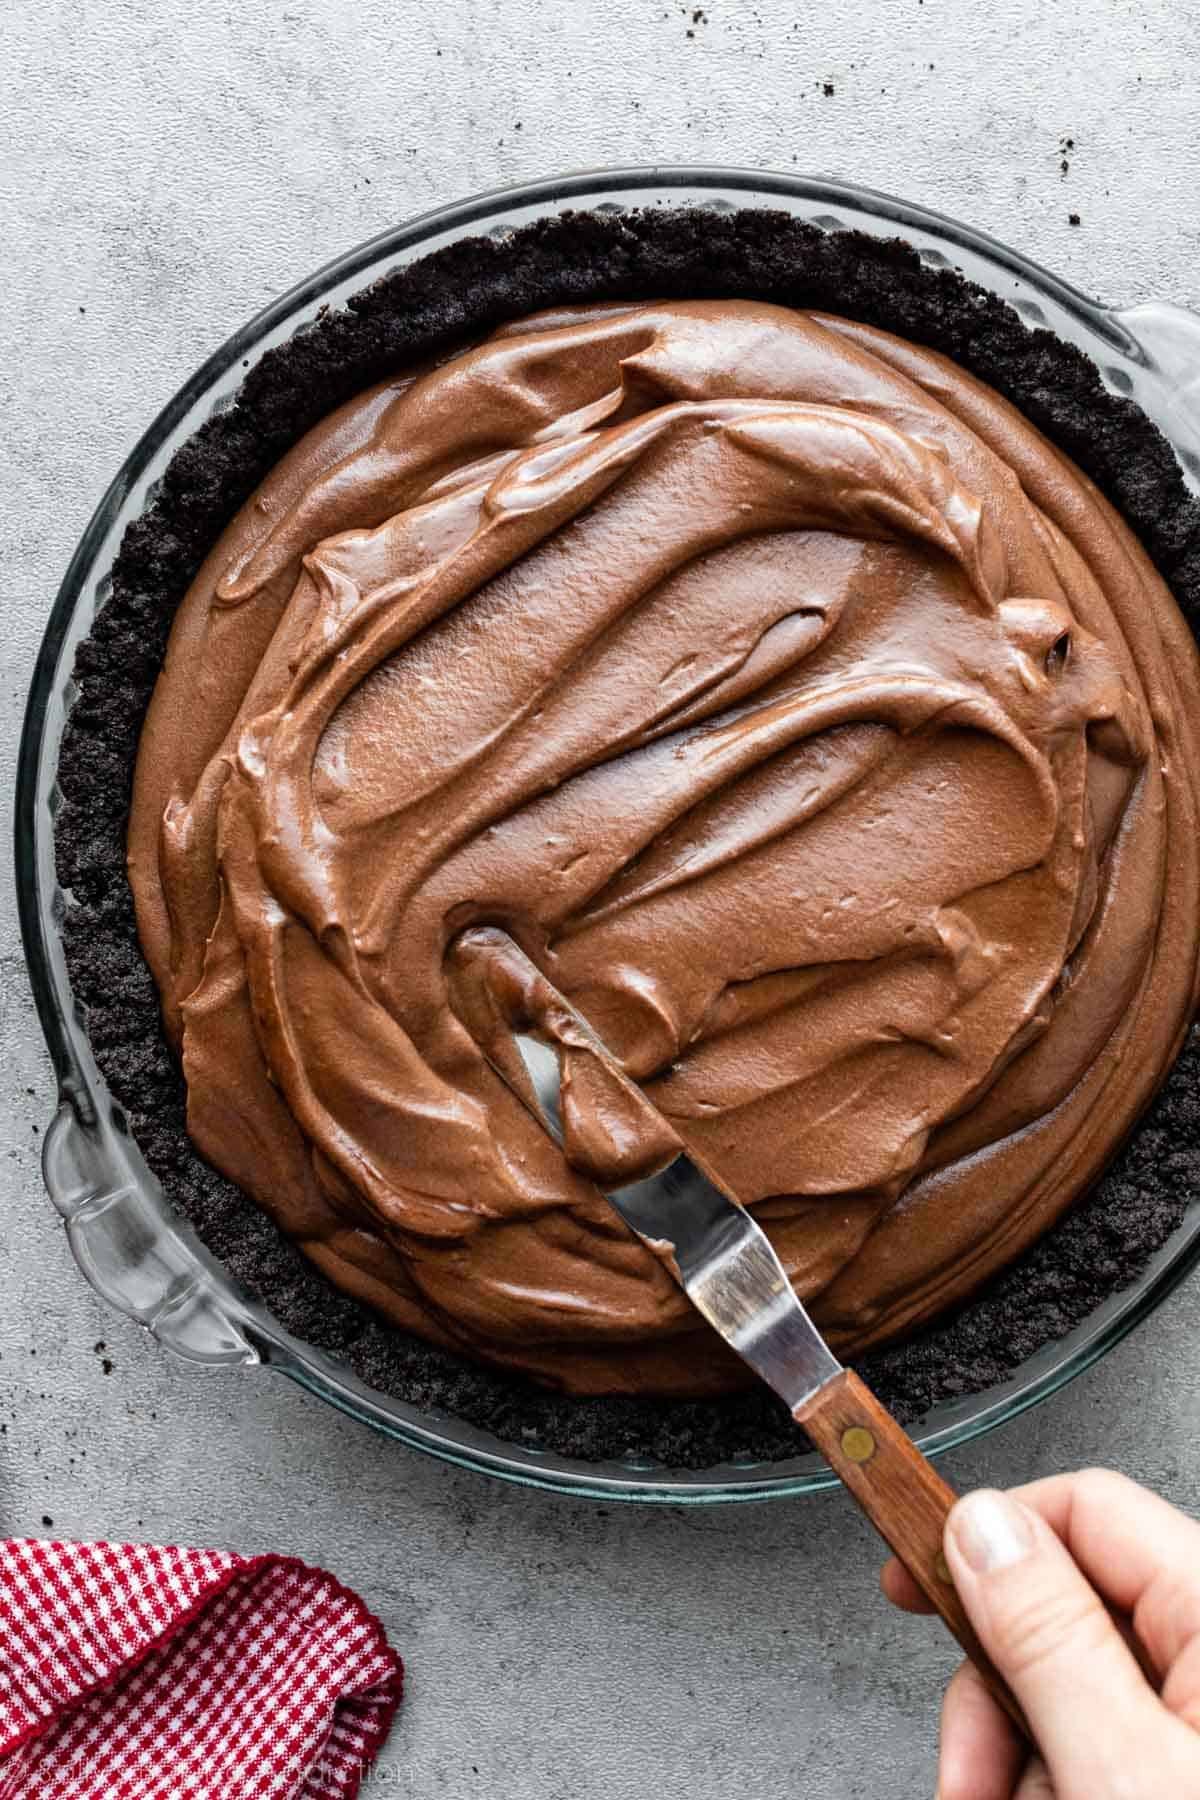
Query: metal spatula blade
(723, 1260)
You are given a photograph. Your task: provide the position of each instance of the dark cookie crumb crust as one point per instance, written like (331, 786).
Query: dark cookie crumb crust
(422, 310)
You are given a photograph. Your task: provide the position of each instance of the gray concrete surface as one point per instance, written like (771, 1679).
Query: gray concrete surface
(168, 165)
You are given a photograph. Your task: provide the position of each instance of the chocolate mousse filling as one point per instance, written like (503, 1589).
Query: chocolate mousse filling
(810, 719)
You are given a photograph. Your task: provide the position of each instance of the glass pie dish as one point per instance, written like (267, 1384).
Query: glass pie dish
(128, 1242)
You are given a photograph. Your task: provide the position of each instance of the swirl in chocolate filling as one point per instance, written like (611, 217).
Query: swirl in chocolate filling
(811, 722)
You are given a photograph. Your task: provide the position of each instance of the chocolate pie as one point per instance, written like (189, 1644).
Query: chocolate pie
(743, 634)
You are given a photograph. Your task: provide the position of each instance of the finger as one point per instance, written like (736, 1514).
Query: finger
(900, 1588)
(1181, 1689)
(1035, 1783)
(980, 1757)
(1051, 1637)
(1140, 1552)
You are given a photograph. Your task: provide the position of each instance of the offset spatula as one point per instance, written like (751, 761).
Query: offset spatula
(722, 1259)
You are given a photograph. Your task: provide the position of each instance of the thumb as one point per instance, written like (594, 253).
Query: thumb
(1052, 1638)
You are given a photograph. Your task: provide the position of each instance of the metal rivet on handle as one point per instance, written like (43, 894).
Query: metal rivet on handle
(858, 1444)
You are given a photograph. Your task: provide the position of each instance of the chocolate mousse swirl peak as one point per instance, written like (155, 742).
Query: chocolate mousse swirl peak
(814, 726)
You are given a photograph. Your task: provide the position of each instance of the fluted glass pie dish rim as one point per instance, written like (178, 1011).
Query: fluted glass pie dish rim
(128, 1242)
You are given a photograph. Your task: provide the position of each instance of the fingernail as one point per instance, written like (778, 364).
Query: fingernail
(991, 1531)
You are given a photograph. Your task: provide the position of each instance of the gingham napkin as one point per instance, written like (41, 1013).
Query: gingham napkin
(130, 1672)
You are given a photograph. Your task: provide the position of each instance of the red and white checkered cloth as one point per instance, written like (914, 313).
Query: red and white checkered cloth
(129, 1672)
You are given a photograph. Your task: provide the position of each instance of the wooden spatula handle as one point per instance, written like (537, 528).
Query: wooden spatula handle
(905, 1499)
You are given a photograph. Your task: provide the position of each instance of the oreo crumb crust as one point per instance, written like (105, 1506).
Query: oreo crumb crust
(425, 310)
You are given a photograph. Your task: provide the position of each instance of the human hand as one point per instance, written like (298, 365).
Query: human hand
(1037, 1570)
